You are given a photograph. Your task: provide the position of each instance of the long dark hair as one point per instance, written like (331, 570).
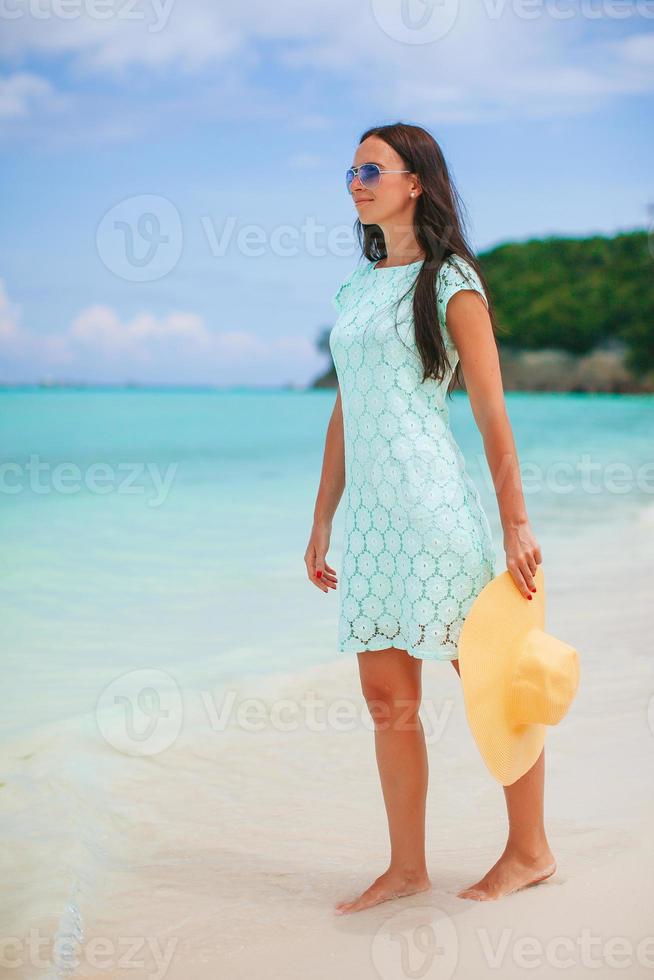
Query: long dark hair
(438, 227)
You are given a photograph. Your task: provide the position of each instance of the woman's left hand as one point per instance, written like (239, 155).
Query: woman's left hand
(523, 555)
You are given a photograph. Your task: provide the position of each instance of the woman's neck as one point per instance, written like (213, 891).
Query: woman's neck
(401, 249)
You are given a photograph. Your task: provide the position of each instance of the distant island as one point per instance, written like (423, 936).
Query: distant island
(574, 314)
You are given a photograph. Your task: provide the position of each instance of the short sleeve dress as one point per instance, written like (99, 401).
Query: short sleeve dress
(417, 545)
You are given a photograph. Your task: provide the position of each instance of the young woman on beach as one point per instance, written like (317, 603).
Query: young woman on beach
(417, 547)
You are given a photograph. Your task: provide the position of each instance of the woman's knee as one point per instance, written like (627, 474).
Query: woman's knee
(390, 688)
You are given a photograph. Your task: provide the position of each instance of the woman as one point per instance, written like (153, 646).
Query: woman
(417, 545)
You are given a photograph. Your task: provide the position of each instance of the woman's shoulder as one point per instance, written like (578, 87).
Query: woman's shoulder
(455, 273)
(456, 266)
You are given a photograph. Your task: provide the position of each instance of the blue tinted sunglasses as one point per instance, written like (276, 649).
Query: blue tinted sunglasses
(369, 175)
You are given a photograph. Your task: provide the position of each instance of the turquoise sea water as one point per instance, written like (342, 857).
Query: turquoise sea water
(167, 528)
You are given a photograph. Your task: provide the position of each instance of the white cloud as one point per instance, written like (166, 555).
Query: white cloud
(191, 35)
(24, 93)
(99, 344)
(637, 49)
(18, 344)
(497, 59)
(99, 328)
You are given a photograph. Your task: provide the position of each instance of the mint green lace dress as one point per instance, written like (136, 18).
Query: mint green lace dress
(417, 544)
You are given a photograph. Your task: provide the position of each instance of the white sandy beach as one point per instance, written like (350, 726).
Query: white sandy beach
(224, 854)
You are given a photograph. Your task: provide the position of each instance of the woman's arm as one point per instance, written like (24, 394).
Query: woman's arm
(469, 326)
(330, 491)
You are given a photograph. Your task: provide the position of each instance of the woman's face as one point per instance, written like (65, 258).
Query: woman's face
(390, 199)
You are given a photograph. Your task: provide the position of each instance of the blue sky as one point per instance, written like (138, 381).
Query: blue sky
(173, 198)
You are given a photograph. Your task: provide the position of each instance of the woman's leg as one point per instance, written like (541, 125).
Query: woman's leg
(391, 685)
(527, 858)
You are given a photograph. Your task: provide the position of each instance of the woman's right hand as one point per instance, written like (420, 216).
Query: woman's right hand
(320, 573)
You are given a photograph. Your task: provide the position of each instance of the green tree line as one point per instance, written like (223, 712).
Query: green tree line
(571, 294)
(575, 294)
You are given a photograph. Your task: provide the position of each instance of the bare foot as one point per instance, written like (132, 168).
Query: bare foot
(391, 884)
(509, 874)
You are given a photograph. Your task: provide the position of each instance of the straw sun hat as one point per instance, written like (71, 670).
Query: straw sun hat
(516, 678)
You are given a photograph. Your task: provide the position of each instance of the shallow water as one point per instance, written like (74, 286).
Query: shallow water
(186, 550)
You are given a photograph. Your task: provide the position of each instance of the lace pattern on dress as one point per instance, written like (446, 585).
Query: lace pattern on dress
(417, 544)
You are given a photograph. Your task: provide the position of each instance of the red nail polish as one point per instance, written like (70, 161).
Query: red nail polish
(318, 573)
(529, 597)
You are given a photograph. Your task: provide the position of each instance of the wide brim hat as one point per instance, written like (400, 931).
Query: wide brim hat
(516, 678)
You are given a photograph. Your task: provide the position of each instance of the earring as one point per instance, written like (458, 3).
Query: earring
(413, 194)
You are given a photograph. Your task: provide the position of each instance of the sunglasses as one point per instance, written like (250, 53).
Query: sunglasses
(369, 175)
